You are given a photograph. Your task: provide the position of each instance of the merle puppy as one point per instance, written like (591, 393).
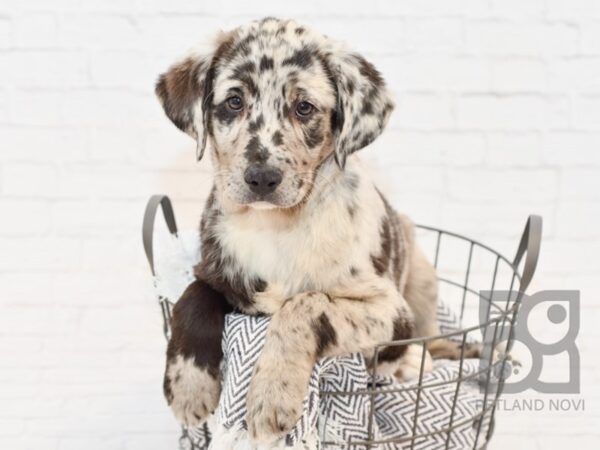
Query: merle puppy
(293, 228)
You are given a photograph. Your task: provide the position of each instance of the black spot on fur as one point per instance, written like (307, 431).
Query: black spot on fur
(387, 109)
(324, 333)
(285, 109)
(250, 84)
(313, 134)
(351, 211)
(259, 285)
(224, 114)
(266, 63)
(397, 249)
(337, 115)
(242, 47)
(255, 151)
(207, 101)
(367, 106)
(245, 74)
(353, 271)
(350, 86)
(256, 125)
(281, 30)
(366, 140)
(381, 262)
(369, 71)
(293, 77)
(302, 58)
(167, 391)
(244, 69)
(277, 138)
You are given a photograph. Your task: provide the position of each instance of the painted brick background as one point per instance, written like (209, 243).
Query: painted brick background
(498, 116)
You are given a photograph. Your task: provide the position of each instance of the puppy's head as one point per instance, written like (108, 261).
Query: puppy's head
(274, 101)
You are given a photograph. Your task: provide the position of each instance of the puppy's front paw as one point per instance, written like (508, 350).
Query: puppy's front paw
(410, 363)
(192, 393)
(268, 301)
(274, 402)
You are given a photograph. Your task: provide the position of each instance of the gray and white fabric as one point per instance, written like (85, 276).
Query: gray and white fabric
(337, 420)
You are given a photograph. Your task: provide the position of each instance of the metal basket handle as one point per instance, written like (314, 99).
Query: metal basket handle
(152, 206)
(529, 246)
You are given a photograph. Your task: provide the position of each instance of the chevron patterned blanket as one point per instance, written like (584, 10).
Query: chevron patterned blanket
(331, 421)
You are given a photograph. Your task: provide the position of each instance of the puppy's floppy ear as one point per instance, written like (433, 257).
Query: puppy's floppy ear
(364, 103)
(182, 91)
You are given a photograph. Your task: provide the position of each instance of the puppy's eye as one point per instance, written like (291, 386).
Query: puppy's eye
(304, 109)
(235, 103)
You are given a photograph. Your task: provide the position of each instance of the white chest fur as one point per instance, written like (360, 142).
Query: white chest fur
(337, 229)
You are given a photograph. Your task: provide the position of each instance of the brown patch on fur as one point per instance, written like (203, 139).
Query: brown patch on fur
(179, 89)
(325, 334)
(403, 329)
(381, 262)
(197, 325)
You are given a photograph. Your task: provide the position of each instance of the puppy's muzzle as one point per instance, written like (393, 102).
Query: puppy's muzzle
(262, 179)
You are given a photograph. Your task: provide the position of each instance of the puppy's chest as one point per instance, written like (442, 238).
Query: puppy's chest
(303, 257)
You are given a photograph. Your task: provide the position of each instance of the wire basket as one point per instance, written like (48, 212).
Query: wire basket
(470, 287)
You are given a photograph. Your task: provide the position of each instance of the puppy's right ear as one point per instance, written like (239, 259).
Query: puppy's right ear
(182, 91)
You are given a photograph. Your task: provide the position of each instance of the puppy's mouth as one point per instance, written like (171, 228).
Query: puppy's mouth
(283, 197)
(262, 205)
(271, 202)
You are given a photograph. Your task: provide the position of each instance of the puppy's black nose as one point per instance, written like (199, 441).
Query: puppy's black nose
(262, 179)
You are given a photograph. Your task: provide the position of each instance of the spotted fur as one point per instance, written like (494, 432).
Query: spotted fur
(323, 252)
(272, 66)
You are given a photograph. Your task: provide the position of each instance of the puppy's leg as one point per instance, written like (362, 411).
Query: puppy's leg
(192, 382)
(310, 326)
(421, 293)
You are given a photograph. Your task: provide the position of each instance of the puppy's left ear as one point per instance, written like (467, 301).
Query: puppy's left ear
(364, 103)
(182, 90)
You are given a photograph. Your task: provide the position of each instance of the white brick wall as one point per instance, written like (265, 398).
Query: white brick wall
(498, 116)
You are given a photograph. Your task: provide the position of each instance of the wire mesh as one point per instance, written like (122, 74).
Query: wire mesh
(467, 284)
